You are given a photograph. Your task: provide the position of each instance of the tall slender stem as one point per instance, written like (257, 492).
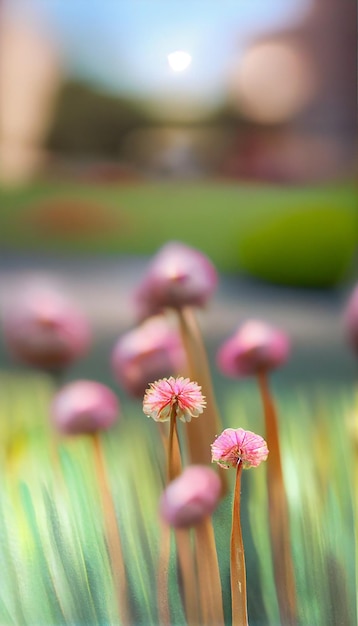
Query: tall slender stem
(278, 513)
(237, 560)
(174, 462)
(183, 543)
(209, 582)
(202, 432)
(112, 534)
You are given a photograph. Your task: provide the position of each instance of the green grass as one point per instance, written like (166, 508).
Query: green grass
(54, 563)
(279, 233)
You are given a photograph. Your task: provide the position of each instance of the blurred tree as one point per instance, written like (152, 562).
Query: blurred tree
(90, 123)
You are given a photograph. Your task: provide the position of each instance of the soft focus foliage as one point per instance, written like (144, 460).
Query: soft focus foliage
(259, 229)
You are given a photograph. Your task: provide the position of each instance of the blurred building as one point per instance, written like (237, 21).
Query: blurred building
(297, 91)
(30, 76)
(288, 115)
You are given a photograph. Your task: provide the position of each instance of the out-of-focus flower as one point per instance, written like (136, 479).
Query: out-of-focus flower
(191, 497)
(255, 347)
(351, 319)
(235, 446)
(149, 352)
(44, 329)
(84, 406)
(178, 276)
(180, 395)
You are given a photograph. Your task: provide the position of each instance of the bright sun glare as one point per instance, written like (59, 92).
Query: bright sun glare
(179, 60)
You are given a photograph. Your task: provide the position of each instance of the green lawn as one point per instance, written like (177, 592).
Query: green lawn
(281, 233)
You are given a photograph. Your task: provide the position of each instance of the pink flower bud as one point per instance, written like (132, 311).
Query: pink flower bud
(42, 328)
(351, 319)
(191, 497)
(149, 352)
(254, 348)
(84, 407)
(178, 276)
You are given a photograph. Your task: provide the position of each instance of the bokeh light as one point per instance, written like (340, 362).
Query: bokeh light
(273, 82)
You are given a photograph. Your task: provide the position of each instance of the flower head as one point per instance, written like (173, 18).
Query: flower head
(235, 446)
(149, 352)
(84, 406)
(177, 276)
(255, 347)
(178, 394)
(351, 319)
(190, 497)
(43, 328)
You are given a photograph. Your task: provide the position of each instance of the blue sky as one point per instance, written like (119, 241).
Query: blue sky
(122, 45)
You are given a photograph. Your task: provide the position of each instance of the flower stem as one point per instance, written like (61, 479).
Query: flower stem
(200, 433)
(186, 562)
(112, 533)
(278, 513)
(237, 561)
(183, 544)
(208, 574)
(174, 463)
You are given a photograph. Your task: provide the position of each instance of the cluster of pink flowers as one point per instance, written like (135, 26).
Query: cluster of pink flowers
(196, 492)
(45, 329)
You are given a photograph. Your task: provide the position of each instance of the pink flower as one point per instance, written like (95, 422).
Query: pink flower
(151, 351)
(84, 406)
(43, 328)
(351, 319)
(177, 276)
(179, 394)
(239, 446)
(255, 347)
(190, 497)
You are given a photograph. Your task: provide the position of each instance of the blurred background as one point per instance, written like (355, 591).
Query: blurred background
(230, 127)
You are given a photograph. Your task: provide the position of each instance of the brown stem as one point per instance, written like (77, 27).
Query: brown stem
(209, 582)
(200, 433)
(237, 560)
(112, 533)
(188, 575)
(278, 513)
(174, 462)
(183, 544)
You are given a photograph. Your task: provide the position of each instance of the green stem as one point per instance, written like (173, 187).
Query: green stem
(163, 576)
(112, 533)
